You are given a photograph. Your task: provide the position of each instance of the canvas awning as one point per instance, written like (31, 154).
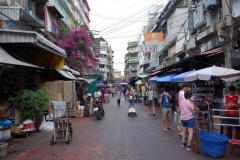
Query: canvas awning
(71, 70)
(166, 78)
(66, 74)
(142, 75)
(6, 58)
(9, 13)
(29, 19)
(152, 65)
(180, 77)
(90, 80)
(13, 39)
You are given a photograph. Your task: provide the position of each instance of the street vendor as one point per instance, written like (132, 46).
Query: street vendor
(231, 102)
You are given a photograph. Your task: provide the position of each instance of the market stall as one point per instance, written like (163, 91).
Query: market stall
(209, 87)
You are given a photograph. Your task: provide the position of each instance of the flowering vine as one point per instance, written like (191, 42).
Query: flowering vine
(77, 45)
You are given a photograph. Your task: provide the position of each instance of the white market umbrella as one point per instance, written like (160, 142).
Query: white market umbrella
(206, 73)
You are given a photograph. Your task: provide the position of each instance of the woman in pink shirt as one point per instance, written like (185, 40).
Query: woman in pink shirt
(187, 112)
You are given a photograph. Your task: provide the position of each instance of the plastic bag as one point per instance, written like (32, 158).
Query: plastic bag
(46, 126)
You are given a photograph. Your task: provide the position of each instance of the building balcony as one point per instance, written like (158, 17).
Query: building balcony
(133, 60)
(133, 69)
(104, 69)
(54, 9)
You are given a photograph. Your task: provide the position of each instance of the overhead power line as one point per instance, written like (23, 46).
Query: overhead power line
(119, 27)
(134, 14)
(121, 11)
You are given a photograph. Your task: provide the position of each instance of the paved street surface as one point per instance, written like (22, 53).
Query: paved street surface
(116, 136)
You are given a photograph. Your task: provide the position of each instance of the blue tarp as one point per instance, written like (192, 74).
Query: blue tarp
(180, 77)
(166, 78)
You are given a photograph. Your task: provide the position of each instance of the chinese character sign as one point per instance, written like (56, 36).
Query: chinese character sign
(146, 48)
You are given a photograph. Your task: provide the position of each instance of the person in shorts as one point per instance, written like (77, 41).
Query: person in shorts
(186, 115)
(231, 102)
(185, 87)
(151, 94)
(164, 101)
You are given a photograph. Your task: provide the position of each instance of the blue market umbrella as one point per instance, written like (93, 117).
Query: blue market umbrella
(180, 77)
(101, 85)
(166, 78)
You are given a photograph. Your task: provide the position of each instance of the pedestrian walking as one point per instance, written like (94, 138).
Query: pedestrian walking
(164, 101)
(130, 98)
(187, 112)
(151, 94)
(118, 96)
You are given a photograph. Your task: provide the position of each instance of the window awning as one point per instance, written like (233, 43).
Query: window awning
(6, 58)
(71, 70)
(19, 38)
(29, 19)
(52, 6)
(9, 13)
(66, 74)
(152, 65)
(90, 80)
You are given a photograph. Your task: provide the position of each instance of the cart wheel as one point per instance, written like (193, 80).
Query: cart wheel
(52, 141)
(195, 148)
(135, 114)
(69, 138)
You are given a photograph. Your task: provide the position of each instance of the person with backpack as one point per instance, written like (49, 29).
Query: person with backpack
(151, 94)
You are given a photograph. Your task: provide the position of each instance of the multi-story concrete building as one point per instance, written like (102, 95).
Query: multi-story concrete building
(117, 76)
(200, 28)
(105, 54)
(131, 60)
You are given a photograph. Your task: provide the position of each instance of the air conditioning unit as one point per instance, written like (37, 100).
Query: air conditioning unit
(176, 59)
(191, 43)
(210, 3)
(164, 64)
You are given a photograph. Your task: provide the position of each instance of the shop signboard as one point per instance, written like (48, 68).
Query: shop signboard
(153, 38)
(48, 60)
(146, 48)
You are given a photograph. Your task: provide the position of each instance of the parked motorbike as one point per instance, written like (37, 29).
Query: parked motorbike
(98, 109)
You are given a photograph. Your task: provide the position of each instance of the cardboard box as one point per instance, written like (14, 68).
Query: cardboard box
(15, 129)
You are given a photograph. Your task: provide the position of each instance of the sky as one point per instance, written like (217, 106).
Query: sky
(120, 21)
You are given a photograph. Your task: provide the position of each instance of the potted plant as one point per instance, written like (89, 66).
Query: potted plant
(32, 104)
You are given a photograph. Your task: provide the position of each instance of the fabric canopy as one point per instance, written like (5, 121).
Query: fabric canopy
(142, 75)
(180, 77)
(206, 73)
(152, 65)
(101, 85)
(153, 79)
(6, 58)
(166, 78)
(66, 74)
(139, 82)
(90, 80)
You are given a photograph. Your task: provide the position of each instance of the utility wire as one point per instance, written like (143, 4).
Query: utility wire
(121, 11)
(134, 14)
(118, 28)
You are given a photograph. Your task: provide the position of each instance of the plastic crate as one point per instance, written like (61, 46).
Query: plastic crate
(213, 144)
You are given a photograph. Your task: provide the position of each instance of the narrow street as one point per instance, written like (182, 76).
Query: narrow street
(116, 136)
